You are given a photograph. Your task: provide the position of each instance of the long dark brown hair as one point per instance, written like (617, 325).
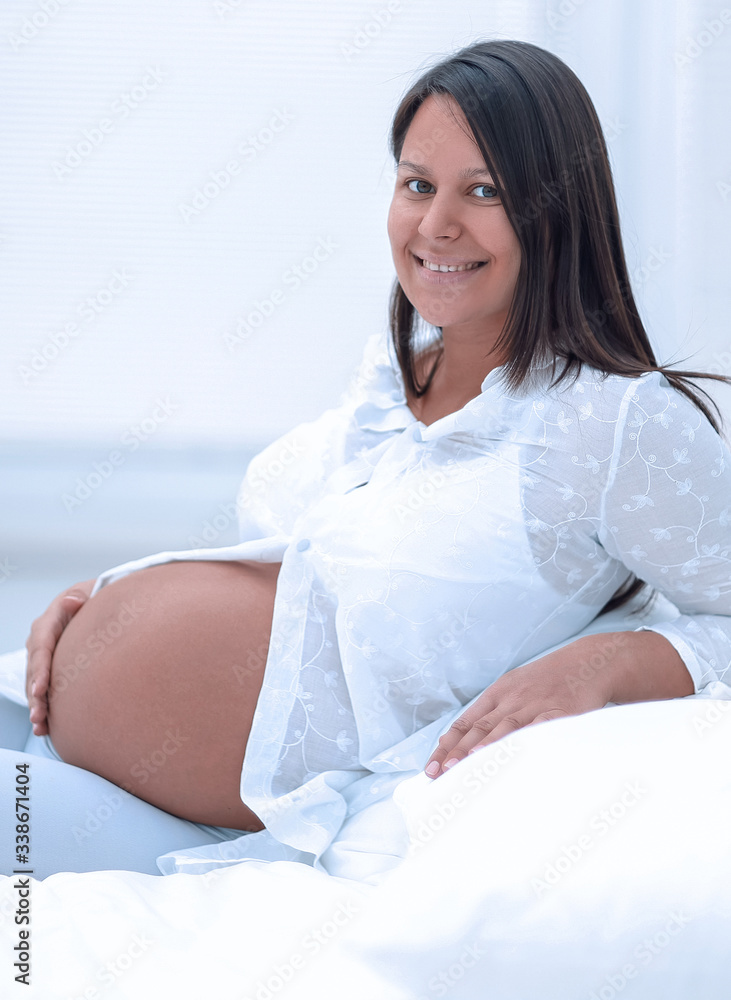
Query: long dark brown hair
(541, 139)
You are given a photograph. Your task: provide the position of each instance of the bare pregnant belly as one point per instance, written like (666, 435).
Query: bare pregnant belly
(155, 680)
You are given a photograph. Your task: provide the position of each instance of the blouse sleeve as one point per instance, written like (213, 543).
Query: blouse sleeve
(666, 514)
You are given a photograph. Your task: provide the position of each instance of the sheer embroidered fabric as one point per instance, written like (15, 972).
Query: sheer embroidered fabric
(419, 563)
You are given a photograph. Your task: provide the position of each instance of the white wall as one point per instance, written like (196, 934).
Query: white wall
(116, 114)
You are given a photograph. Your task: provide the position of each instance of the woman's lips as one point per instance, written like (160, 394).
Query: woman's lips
(446, 277)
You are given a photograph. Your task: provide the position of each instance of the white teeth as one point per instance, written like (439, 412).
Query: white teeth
(450, 267)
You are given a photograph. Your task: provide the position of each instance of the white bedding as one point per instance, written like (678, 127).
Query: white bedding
(642, 910)
(516, 886)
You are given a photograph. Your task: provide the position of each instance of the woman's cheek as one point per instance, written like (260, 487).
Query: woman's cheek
(400, 224)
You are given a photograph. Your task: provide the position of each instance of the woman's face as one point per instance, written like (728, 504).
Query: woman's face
(446, 212)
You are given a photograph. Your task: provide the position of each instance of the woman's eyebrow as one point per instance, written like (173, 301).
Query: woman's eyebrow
(463, 174)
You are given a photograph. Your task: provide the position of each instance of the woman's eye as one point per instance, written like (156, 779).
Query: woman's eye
(425, 185)
(489, 191)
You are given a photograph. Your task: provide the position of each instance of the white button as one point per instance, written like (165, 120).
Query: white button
(303, 544)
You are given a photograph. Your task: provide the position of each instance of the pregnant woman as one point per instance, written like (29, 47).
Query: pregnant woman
(513, 462)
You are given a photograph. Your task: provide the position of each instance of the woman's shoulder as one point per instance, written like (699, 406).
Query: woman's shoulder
(377, 370)
(638, 409)
(594, 389)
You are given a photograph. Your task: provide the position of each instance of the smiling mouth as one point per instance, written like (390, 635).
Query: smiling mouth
(430, 266)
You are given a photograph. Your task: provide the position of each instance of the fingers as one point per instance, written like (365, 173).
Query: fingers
(38, 705)
(505, 727)
(466, 735)
(71, 602)
(45, 633)
(39, 672)
(522, 696)
(476, 723)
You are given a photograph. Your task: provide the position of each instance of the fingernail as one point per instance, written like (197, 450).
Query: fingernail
(33, 689)
(432, 769)
(450, 763)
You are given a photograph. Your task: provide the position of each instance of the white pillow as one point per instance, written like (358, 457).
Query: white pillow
(585, 858)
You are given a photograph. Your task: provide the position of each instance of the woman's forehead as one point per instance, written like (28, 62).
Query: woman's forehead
(439, 133)
(440, 110)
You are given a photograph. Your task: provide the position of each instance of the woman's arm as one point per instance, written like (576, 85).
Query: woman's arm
(618, 667)
(665, 514)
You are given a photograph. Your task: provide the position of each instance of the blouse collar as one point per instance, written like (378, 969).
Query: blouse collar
(384, 406)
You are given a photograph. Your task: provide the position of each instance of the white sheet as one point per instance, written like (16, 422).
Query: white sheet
(643, 909)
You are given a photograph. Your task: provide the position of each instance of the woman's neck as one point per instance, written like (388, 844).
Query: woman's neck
(458, 378)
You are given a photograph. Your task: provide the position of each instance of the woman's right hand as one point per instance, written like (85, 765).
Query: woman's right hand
(44, 634)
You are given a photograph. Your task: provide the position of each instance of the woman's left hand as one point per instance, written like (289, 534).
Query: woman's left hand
(580, 677)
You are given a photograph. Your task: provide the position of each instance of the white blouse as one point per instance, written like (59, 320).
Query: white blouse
(419, 563)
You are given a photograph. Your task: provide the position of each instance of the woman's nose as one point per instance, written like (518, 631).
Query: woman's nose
(440, 219)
